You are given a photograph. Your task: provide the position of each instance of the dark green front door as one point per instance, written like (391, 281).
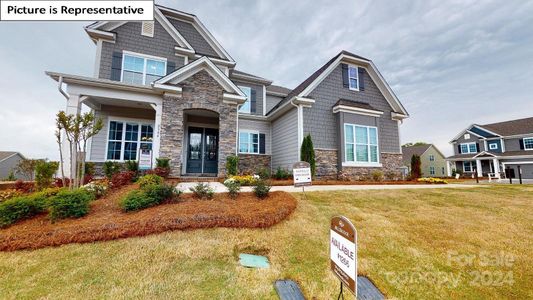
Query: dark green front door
(202, 151)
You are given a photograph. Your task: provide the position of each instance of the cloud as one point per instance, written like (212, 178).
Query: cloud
(451, 63)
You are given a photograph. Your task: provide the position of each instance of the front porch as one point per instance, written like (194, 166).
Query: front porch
(483, 165)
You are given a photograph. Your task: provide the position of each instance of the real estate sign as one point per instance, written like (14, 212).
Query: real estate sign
(301, 172)
(145, 159)
(343, 251)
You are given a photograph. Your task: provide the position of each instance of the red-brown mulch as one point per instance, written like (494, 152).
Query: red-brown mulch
(106, 221)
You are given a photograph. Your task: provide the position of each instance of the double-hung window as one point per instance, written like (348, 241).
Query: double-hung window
(361, 144)
(248, 142)
(528, 143)
(493, 146)
(431, 170)
(126, 138)
(353, 78)
(246, 107)
(468, 148)
(431, 157)
(142, 70)
(468, 166)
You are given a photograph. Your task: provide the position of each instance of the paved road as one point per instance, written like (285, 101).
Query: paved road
(220, 188)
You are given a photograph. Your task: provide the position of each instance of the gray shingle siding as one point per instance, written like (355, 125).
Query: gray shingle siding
(272, 101)
(259, 95)
(285, 143)
(262, 127)
(320, 121)
(514, 145)
(99, 141)
(129, 38)
(194, 38)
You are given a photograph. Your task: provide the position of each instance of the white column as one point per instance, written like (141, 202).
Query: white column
(156, 142)
(300, 129)
(449, 168)
(73, 108)
(496, 164)
(479, 169)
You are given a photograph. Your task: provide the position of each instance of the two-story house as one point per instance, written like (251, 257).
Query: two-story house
(169, 86)
(497, 149)
(432, 161)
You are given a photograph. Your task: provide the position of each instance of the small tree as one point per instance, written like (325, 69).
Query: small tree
(26, 167)
(307, 153)
(416, 171)
(44, 173)
(232, 165)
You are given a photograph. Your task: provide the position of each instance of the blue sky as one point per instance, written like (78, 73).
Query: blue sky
(451, 63)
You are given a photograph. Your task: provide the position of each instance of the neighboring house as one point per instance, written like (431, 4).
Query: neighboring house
(8, 162)
(169, 86)
(497, 148)
(432, 161)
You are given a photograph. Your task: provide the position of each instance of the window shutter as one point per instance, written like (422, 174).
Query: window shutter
(521, 141)
(459, 149)
(116, 66)
(345, 80)
(361, 78)
(171, 67)
(477, 147)
(148, 28)
(262, 143)
(253, 101)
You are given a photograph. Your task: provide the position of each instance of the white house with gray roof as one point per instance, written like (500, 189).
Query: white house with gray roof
(169, 86)
(497, 149)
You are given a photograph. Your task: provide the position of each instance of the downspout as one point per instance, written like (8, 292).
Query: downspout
(237, 131)
(60, 88)
(300, 127)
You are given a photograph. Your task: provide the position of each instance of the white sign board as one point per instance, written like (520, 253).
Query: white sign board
(343, 251)
(301, 172)
(145, 159)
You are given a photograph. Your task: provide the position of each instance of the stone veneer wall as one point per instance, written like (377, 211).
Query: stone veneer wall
(251, 163)
(391, 163)
(326, 164)
(200, 91)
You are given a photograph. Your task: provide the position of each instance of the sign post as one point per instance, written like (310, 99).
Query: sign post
(145, 159)
(343, 252)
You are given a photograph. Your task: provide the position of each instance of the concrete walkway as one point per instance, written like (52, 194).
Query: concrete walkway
(220, 188)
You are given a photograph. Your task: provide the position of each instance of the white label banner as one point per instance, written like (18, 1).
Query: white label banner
(343, 253)
(101, 10)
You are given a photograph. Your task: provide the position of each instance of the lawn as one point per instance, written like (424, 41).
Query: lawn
(414, 244)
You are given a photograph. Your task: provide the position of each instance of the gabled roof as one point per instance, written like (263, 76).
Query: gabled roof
(358, 104)
(408, 152)
(309, 84)
(278, 90)
(247, 76)
(7, 154)
(204, 63)
(513, 127)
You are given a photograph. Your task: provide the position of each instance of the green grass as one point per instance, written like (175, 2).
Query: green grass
(401, 233)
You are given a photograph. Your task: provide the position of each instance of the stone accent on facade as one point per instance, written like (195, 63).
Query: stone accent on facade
(326, 163)
(251, 163)
(391, 163)
(200, 91)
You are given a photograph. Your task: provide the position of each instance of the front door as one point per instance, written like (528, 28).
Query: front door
(202, 151)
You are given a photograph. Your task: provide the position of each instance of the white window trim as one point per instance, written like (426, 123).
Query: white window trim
(139, 122)
(524, 141)
(250, 143)
(432, 171)
(468, 146)
(493, 146)
(145, 57)
(355, 163)
(431, 157)
(356, 77)
(247, 100)
(471, 164)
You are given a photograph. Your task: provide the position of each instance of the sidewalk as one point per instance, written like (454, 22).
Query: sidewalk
(220, 188)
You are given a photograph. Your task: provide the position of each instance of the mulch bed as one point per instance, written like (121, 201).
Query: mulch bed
(106, 221)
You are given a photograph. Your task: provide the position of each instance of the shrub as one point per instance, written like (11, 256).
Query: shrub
(132, 165)
(150, 195)
(44, 173)
(149, 179)
(232, 165)
(8, 194)
(391, 175)
(48, 192)
(432, 180)
(261, 188)
(111, 168)
(162, 172)
(245, 179)
(122, 178)
(59, 182)
(377, 176)
(263, 173)
(15, 209)
(307, 152)
(282, 174)
(70, 204)
(202, 191)
(90, 168)
(163, 163)
(25, 187)
(97, 188)
(416, 171)
(11, 176)
(233, 186)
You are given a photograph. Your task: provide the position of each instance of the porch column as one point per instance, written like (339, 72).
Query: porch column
(449, 168)
(156, 143)
(73, 108)
(479, 168)
(496, 163)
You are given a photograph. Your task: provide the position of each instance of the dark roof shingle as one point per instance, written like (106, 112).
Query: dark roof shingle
(513, 127)
(278, 89)
(408, 152)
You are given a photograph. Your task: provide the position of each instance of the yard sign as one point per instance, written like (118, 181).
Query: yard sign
(301, 172)
(145, 159)
(343, 251)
